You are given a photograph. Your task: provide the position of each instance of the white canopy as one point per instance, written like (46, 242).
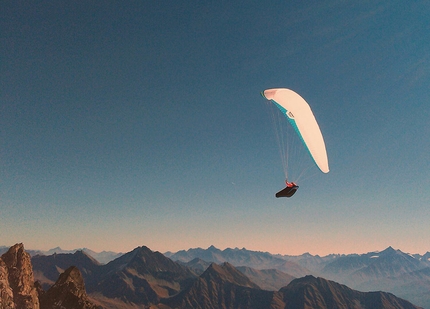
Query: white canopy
(300, 115)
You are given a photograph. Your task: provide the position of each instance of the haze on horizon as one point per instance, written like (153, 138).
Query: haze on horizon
(130, 124)
(61, 250)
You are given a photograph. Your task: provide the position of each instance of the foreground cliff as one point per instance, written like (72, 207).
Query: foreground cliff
(18, 289)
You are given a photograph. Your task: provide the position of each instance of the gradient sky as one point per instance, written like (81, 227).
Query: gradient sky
(129, 123)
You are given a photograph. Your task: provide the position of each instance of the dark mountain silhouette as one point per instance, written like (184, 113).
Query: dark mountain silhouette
(311, 292)
(141, 277)
(220, 286)
(227, 273)
(48, 268)
(267, 279)
(67, 292)
(223, 286)
(144, 261)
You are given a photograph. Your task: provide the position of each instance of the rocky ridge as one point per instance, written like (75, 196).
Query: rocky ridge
(17, 279)
(18, 289)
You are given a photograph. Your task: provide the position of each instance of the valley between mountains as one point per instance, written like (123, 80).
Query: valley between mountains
(213, 278)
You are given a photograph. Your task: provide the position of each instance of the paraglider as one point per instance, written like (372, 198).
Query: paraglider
(289, 190)
(302, 119)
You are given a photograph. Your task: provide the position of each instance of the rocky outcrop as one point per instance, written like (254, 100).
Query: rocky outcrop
(68, 292)
(6, 293)
(19, 291)
(16, 267)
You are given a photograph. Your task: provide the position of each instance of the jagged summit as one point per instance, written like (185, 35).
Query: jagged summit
(142, 277)
(72, 275)
(67, 292)
(212, 248)
(145, 261)
(20, 280)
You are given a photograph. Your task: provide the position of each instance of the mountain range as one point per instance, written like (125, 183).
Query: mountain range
(405, 275)
(238, 278)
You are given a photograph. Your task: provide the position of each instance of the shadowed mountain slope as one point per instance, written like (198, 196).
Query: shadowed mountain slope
(142, 277)
(223, 286)
(67, 292)
(311, 292)
(48, 268)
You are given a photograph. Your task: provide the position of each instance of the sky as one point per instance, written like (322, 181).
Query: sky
(131, 123)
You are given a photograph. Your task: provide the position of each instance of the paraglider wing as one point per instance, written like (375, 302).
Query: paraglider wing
(300, 115)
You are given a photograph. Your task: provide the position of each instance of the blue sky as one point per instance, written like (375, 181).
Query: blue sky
(141, 123)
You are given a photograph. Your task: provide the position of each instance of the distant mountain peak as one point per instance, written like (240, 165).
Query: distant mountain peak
(227, 273)
(83, 254)
(72, 274)
(388, 250)
(142, 249)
